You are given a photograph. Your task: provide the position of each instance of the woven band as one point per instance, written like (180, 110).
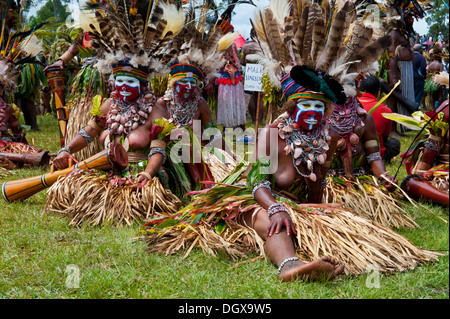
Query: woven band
(371, 143)
(93, 124)
(309, 96)
(157, 144)
(145, 174)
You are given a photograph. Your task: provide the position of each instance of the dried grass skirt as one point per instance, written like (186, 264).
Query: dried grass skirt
(88, 198)
(213, 221)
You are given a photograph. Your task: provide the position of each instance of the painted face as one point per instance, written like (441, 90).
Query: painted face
(308, 114)
(186, 87)
(129, 88)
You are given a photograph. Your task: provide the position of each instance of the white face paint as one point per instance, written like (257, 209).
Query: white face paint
(309, 114)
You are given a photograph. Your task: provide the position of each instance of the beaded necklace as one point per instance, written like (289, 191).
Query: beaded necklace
(182, 111)
(305, 147)
(345, 117)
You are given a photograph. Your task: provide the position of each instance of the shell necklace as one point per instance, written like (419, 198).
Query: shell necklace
(181, 111)
(305, 147)
(127, 116)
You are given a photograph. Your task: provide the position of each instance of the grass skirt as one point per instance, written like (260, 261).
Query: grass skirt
(213, 221)
(367, 198)
(87, 197)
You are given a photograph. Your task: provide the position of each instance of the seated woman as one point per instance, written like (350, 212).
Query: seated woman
(188, 110)
(14, 148)
(427, 162)
(357, 175)
(301, 236)
(130, 117)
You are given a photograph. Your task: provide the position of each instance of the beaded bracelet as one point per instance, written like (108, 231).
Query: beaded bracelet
(159, 150)
(260, 184)
(64, 149)
(276, 208)
(284, 263)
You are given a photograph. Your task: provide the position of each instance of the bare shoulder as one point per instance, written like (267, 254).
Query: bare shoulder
(159, 111)
(203, 105)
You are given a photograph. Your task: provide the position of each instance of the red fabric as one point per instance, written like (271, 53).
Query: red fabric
(237, 79)
(382, 124)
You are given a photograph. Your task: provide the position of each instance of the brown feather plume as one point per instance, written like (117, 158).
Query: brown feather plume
(315, 11)
(273, 36)
(152, 27)
(297, 44)
(361, 36)
(370, 54)
(318, 38)
(334, 41)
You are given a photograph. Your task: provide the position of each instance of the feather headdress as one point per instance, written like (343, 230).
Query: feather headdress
(197, 51)
(125, 41)
(15, 49)
(322, 46)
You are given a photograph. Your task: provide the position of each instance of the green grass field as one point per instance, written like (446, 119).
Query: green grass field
(41, 257)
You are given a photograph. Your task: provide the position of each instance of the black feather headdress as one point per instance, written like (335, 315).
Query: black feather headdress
(330, 42)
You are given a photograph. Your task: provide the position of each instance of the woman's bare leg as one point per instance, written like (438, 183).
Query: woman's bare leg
(279, 247)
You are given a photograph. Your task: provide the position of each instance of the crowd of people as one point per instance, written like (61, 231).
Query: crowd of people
(331, 137)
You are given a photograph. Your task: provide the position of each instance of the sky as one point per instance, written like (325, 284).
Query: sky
(244, 12)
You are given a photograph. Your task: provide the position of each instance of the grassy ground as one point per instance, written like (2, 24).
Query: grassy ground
(42, 257)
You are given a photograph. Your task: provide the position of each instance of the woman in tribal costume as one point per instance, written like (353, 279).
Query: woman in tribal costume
(427, 160)
(130, 117)
(357, 175)
(301, 236)
(197, 59)
(88, 87)
(17, 51)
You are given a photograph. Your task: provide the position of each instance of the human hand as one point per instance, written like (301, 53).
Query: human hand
(278, 221)
(63, 160)
(389, 182)
(143, 179)
(59, 64)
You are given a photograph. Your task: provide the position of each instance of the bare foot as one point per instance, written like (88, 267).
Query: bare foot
(323, 268)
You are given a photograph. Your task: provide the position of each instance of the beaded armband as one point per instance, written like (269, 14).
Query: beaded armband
(432, 145)
(158, 146)
(373, 157)
(261, 184)
(159, 150)
(371, 143)
(86, 136)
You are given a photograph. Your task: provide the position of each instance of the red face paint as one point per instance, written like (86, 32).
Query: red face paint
(308, 114)
(128, 88)
(186, 87)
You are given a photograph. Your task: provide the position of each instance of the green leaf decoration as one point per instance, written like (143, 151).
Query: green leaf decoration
(408, 121)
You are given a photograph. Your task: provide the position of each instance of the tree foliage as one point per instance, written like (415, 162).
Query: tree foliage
(52, 9)
(437, 19)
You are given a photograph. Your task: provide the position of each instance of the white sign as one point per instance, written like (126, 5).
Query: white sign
(253, 77)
